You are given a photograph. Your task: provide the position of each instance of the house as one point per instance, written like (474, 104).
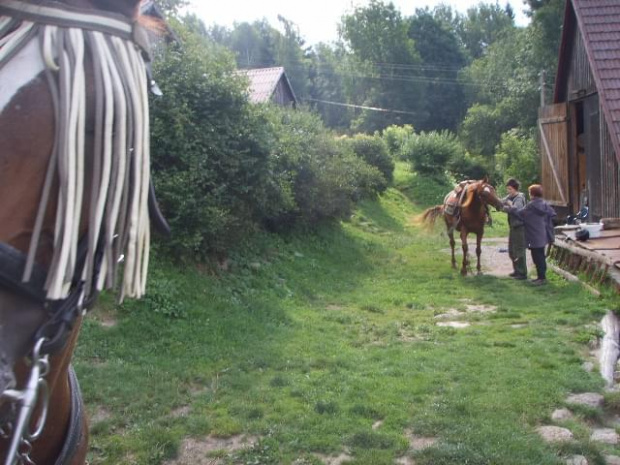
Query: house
(580, 131)
(270, 85)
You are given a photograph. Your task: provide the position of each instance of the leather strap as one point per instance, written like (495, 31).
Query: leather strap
(12, 264)
(75, 433)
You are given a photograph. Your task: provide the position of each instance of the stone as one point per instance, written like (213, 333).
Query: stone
(612, 460)
(577, 460)
(562, 414)
(605, 435)
(589, 399)
(554, 434)
(454, 324)
(588, 366)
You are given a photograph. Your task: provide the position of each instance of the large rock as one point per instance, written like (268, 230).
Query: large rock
(612, 460)
(577, 460)
(554, 434)
(589, 399)
(562, 414)
(605, 435)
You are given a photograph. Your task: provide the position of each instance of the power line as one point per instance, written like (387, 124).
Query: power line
(362, 107)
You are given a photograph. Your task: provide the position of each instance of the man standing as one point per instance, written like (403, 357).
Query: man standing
(516, 236)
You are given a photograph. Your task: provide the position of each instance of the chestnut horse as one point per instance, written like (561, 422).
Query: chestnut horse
(74, 194)
(466, 212)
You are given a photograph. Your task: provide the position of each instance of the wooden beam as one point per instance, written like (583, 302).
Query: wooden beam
(574, 279)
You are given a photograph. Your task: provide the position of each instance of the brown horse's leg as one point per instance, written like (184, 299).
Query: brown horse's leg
(478, 250)
(452, 245)
(465, 251)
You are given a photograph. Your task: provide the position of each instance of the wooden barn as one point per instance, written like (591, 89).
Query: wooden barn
(580, 131)
(270, 85)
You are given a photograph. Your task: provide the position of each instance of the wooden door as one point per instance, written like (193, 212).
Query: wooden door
(553, 131)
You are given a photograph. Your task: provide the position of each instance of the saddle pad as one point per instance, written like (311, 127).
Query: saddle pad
(451, 203)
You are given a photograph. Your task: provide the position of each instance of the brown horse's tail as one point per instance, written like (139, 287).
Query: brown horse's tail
(429, 216)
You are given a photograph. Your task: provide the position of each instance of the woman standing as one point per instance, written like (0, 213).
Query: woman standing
(537, 218)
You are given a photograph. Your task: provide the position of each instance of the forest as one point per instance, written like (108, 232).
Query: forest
(453, 94)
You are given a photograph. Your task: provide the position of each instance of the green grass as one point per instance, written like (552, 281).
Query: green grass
(309, 340)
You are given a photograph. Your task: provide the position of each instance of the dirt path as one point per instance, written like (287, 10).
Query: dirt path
(494, 258)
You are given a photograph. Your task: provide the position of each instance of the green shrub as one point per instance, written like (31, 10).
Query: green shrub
(210, 149)
(319, 176)
(466, 166)
(396, 137)
(373, 150)
(429, 152)
(517, 157)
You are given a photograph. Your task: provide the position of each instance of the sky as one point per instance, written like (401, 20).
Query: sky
(316, 19)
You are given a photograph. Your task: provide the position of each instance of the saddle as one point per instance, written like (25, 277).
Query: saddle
(453, 200)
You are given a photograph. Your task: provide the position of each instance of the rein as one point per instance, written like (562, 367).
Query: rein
(118, 223)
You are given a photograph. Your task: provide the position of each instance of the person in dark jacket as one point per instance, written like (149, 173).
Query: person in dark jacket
(516, 235)
(537, 217)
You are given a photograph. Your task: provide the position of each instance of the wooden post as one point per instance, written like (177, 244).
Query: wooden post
(609, 347)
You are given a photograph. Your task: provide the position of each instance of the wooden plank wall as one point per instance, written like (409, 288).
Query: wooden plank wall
(580, 77)
(610, 174)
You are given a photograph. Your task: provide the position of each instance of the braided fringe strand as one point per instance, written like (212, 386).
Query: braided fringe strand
(118, 220)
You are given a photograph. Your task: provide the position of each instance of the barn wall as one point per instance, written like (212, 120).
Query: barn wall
(580, 79)
(610, 175)
(282, 95)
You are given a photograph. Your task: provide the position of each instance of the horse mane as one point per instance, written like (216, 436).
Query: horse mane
(470, 194)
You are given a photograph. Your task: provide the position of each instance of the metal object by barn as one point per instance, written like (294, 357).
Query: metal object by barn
(270, 85)
(580, 131)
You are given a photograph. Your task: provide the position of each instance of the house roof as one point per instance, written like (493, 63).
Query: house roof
(599, 22)
(263, 83)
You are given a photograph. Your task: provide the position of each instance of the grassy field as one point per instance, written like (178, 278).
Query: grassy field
(322, 345)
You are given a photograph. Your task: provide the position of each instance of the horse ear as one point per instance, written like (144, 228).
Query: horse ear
(485, 179)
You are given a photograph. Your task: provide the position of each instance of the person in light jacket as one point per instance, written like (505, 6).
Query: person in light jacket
(516, 235)
(537, 218)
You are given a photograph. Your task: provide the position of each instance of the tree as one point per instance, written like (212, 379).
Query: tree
(443, 58)
(483, 25)
(386, 65)
(326, 86)
(292, 56)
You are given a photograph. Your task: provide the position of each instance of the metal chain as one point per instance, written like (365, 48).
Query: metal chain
(36, 391)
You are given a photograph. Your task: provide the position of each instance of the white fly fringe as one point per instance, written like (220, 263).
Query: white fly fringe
(118, 221)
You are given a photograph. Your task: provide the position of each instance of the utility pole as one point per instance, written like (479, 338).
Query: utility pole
(543, 79)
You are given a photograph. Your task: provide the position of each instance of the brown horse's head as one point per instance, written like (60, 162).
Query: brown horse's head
(483, 191)
(57, 198)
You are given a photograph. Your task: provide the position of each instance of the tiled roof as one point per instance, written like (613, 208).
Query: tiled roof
(599, 22)
(263, 82)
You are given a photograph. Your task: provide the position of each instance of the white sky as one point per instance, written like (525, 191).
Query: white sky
(316, 19)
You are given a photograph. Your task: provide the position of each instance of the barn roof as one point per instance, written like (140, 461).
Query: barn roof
(599, 22)
(263, 83)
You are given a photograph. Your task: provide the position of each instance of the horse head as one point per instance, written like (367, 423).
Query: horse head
(486, 193)
(74, 184)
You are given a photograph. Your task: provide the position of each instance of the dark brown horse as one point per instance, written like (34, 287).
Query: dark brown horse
(74, 187)
(465, 210)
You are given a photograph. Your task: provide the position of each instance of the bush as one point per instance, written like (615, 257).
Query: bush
(210, 149)
(429, 152)
(466, 166)
(396, 137)
(517, 157)
(319, 175)
(373, 150)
